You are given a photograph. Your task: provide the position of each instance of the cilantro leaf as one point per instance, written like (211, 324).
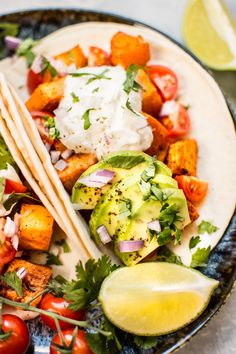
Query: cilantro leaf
(145, 342)
(7, 29)
(64, 245)
(5, 156)
(74, 97)
(50, 124)
(130, 84)
(169, 215)
(128, 105)
(157, 192)
(2, 187)
(125, 207)
(53, 259)
(25, 50)
(165, 236)
(12, 280)
(126, 162)
(166, 255)
(86, 118)
(14, 198)
(145, 188)
(85, 288)
(95, 90)
(206, 227)
(47, 66)
(93, 76)
(200, 257)
(194, 241)
(150, 171)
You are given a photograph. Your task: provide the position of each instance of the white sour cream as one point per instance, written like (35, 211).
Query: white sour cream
(113, 126)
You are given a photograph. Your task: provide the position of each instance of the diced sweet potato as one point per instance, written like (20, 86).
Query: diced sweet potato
(77, 164)
(35, 227)
(160, 142)
(36, 280)
(151, 100)
(46, 96)
(182, 157)
(73, 56)
(126, 50)
(193, 213)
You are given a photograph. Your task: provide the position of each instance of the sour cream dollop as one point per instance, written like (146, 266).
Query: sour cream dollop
(97, 115)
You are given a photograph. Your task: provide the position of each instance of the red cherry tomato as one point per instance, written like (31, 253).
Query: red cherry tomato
(178, 122)
(33, 80)
(12, 186)
(60, 306)
(165, 80)
(80, 346)
(18, 341)
(7, 253)
(39, 119)
(194, 188)
(98, 57)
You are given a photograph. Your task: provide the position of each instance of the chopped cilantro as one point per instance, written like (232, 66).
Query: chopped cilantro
(130, 84)
(128, 105)
(145, 188)
(14, 198)
(52, 259)
(194, 241)
(74, 97)
(165, 255)
(25, 50)
(64, 245)
(165, 236)
(93, 76)
(206, 227)
(50, 124)
(200, 257)
(150, 171)
(125, 207)
(12, 280)
(157, 192)
(86, 118)
(95, 90)
(47, 66)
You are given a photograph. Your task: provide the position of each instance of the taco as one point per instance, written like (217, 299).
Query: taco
(113, 132)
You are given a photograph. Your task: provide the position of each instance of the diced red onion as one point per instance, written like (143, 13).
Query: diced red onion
(60, 67)
(55, 155)
(154, 226)
(21, 273)
(60, 165)
(130, 246)
(168, 108)
(12, 42)
(4, 212)
(37, 64)
(103, 234)
(48, 146)
(18, 254)
(17, 220)
(15, 241)
(60, 113)
(10, 228)
(97, 179)
(66, 154)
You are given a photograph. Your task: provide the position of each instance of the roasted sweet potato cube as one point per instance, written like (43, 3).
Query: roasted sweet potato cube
(182, 157)
(160, 144)
(126, 50)
(193, 213)
(151, 100)
(35, 227)
(46, 96)
(73, 56)
(36, 280)
(77, 164)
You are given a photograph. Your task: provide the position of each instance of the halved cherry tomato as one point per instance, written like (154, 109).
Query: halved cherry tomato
(39, 119)
(60, 306)
(194, 188)
(98, 57)
(33, 80)
(80, 347)
(18, 341)
(7, 253)
(178, 122)
(12, 186)
(165, 80)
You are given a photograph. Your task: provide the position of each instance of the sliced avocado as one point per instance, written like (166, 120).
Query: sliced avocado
(164, 181)
(122, 163)
(138, 226)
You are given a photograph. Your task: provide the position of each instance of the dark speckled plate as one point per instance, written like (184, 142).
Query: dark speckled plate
(222, 263)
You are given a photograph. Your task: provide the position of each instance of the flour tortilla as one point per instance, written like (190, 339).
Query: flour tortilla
(212, 124)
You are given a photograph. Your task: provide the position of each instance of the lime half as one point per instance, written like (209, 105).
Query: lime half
(210, 33)
(155, 298)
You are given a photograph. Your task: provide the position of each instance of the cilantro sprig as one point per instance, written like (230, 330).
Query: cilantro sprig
(12, 280)
(130, 83)
(206, 227)
(200, 257)
(47, 66)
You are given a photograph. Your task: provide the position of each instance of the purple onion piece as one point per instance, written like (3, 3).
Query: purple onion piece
(66, 154)
(168, 108)
(60, 165)
(130, 246)
(21, 273)
(97, 179)
(55, 155)
(154, 226)
(103, 234)
(12, 42)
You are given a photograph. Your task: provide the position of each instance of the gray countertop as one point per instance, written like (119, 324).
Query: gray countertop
(219, 337)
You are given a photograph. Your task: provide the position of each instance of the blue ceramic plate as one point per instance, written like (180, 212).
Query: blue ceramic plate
(222, 262)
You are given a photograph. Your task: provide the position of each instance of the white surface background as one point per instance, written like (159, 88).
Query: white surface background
(219, 337)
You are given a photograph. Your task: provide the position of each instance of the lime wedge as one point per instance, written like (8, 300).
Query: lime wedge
(155, 298)
(210, 33)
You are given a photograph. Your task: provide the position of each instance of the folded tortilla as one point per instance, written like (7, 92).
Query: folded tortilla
(212, 125)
